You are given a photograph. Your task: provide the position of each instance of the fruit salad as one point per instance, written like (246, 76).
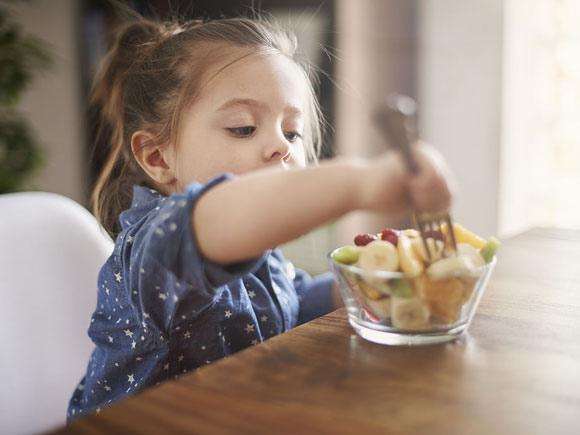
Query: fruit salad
(396, 282)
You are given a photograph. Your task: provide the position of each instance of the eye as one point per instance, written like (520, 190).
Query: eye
(292, 136)
(245, 131)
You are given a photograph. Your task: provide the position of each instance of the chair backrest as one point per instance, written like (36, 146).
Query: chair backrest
(51, 250)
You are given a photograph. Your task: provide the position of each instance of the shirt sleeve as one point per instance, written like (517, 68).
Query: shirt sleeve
(171, 268)
(315, 294)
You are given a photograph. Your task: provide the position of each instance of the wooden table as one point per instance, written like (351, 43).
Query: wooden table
(516, 372)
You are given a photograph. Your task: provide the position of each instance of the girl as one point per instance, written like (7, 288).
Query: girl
(211, 126)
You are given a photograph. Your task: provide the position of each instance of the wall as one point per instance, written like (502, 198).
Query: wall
(53, 102)
(376, 56)
(460, 82)
(540, 155)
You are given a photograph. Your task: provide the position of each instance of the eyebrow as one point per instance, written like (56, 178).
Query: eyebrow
(293, 110)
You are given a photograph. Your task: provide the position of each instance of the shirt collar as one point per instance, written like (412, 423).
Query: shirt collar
(144, 200)
(143, 195)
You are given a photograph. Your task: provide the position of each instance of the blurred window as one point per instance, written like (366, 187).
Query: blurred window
(540, 158)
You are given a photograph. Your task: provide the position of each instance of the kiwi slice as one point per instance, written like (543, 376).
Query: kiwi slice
(345, 255)
(490, 248)
(401, 288)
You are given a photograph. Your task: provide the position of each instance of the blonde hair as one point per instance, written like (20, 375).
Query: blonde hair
(152, 73)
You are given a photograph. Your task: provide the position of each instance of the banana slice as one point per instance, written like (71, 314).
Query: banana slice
(379, 255)
(409, 314)
(411, 232)
(411, 263)
(458, 265)
(472, 253)
(436, 248)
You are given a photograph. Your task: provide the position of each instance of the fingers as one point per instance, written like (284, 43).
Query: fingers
(430, 194)
(431, 190)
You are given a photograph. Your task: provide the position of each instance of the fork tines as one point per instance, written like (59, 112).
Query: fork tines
(396, 119)
(430, 225)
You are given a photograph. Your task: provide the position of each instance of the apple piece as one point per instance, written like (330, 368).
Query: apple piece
(381, 308)
(473, 254)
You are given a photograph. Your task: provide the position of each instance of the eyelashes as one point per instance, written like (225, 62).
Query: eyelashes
(249, 130)
(242, 132)
(292, 136)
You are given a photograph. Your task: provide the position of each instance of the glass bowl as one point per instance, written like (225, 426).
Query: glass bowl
(389, 308)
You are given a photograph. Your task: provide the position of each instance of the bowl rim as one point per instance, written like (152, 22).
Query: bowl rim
(384, 274)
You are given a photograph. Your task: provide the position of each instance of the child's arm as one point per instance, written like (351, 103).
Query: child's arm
(238, 220)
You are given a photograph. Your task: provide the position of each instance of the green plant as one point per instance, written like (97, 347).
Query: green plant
(20, 57)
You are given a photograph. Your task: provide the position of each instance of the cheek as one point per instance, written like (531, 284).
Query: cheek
(188, 167)
(238, 160)
(216, 158)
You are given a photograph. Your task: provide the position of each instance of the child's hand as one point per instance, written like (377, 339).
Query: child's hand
(431, 189)
(389, 187)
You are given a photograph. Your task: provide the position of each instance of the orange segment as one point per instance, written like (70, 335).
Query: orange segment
(444, 297)
(369, 291)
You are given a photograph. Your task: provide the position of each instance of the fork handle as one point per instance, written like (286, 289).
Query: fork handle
(397, 121)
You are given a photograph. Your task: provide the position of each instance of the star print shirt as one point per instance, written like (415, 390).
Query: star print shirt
(163, 309)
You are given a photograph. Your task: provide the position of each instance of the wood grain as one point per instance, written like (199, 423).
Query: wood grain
(516, 372)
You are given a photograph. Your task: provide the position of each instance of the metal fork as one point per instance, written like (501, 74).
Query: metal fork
(397, 121)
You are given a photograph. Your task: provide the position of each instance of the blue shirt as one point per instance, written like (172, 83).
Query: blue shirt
(164, 310)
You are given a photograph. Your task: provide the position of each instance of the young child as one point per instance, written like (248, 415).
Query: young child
(211, 127)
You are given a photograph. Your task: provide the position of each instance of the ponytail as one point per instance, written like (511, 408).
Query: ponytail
(113, 189)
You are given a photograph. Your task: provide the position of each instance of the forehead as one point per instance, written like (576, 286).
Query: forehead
(269, 78)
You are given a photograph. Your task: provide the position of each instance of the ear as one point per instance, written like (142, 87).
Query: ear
(152, 157)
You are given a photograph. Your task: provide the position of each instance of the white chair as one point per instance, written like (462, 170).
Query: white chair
(51, 250)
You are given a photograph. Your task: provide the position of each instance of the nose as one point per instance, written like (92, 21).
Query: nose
(276, 149)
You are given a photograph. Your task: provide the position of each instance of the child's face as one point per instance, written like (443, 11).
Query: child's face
(247, 117)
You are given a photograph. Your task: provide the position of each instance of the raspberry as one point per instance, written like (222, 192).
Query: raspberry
(390, 235)
(364, 239)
